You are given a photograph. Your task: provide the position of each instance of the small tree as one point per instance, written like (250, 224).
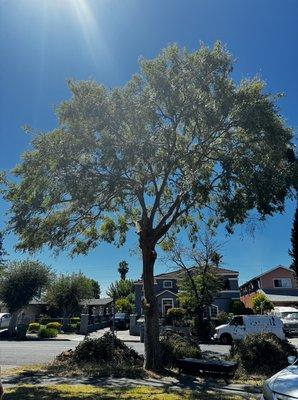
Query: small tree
(124, 305)
(96, 288)
(67, 291)
(20, 283)
(294, 241)
(123, 269)
(261, 304)
(121, 289)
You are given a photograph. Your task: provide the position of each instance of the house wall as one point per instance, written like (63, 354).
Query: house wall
(166, 295)
(247, 299)
(267, 279)
(224, 298)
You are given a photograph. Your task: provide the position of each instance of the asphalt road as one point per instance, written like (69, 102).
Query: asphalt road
(38, 352)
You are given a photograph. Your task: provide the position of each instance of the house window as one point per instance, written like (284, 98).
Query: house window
(168, 284)
(210, 312)
(282, 283)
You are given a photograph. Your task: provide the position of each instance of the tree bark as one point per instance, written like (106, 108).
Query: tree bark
(13, 323)
(152, 360)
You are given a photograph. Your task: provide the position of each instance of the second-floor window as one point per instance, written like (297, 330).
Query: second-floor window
(167, 284)
(282, 283)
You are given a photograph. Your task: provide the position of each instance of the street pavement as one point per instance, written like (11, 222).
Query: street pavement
(16, 353)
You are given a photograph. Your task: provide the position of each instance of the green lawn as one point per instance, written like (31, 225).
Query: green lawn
(87, 392)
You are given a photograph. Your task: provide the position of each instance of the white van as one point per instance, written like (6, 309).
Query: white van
(243, 325)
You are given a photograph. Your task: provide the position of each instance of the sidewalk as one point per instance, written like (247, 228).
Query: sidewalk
(122, 335)
(184, 382)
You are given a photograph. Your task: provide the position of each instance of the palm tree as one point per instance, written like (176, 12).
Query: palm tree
(123, 269)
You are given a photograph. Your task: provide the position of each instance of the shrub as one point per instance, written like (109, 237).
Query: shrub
(237, 307)
(104, 349)
(47, 333)
(34, 327)
(175, 315)
(54, 325)
(262, 353)
(69, 328)
(174, 346)
(75, 320)
(47, 320)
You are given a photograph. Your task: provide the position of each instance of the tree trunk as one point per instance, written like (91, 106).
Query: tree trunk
(13, 323)
(152, 360)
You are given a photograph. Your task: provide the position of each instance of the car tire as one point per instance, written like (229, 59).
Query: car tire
(225, 338)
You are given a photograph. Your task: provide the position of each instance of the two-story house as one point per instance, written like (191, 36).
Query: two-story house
(167, 287)
(278, 284)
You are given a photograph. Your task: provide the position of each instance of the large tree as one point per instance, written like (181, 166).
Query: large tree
(20, 283)
(179, 138)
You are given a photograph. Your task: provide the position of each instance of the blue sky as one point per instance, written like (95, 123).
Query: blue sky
(44, 42)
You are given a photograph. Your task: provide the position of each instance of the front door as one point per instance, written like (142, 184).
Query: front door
(167, 304)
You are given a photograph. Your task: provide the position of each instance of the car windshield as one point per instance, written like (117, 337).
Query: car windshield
(120, 315)
(293, 315)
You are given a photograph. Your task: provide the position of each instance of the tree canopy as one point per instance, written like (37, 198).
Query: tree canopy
(261, 304)
(180, 136)
(123, 269)
(67, 291)
(294, 242)
(21, 282)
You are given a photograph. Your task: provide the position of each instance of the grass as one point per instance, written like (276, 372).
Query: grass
(88, 392)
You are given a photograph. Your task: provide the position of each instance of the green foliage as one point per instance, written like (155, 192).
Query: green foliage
(96, 288)
(262, 353)
(294, 241)
(175, 315)
(54, 325)
(21, 281)
(123, 269)
(124, 305)
(198, 291)
(34, 327)
(261, 304)
(236, 307)
(47, 333)
(75, 320)
(121, 289)
(46, 320)
(176, 138)
(174, 346)
(66, 292)
(3, 254)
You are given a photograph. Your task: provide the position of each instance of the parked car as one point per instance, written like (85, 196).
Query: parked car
(283, 311)
(243, 325)
(121, 321)
(4, 320)
(284, 384)
(290, 322)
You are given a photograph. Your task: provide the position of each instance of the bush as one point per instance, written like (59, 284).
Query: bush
(47, 333)
(70, 328)
(75, 320)
(237, 307)
(34, 327)
(175, 315)
(46, 320)
(174, 346)
(262, 353)
(54, 325)
(104, 349)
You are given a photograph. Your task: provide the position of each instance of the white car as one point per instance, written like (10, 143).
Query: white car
(4, 320)
(242, 325)
(284, 384)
